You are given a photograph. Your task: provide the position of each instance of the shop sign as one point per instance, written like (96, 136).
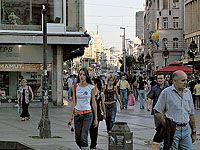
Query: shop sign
(23, 67)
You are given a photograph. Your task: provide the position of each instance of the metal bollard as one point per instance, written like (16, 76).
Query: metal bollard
(120, 137)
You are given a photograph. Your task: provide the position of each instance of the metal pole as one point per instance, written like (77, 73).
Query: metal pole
(124, 48)
(44, 124)
(193, 65)
(165, 62)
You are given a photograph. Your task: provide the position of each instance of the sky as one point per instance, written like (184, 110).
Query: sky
(107, 16)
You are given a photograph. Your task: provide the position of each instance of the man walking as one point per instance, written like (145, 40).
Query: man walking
(124, 86)
(155, 92)
(176, 104)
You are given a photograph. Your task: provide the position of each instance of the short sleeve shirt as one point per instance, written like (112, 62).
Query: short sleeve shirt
(175, 107)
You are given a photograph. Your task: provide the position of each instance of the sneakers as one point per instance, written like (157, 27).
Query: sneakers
(26, 118)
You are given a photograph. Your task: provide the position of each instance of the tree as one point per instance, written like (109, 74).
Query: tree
(130, 60)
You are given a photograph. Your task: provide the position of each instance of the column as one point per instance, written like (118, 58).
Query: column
(57, 79)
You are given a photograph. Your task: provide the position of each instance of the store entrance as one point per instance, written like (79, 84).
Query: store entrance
(4, 83)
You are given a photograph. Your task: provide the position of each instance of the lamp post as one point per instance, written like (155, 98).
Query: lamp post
(123, 48)
(127, 45)
(192, 53)
(165, 55)
(44, 124)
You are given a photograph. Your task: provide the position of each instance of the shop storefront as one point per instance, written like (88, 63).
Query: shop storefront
(22, 61)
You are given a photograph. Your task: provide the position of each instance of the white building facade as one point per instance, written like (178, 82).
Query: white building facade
(166, 17)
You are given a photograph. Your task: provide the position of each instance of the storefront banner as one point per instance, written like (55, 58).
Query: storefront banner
(23, 67)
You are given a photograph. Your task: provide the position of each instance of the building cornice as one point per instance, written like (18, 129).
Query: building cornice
(37, 38)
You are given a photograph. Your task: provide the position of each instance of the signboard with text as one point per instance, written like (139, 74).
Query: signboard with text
(23, 67)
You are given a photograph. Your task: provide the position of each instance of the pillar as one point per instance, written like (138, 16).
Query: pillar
(57, 76)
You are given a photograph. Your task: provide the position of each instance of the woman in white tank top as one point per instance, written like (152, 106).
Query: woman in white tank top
(83, 102)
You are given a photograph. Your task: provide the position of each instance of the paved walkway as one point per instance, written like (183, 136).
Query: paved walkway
(12, 129)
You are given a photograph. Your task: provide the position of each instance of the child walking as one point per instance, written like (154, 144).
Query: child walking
(131, 98)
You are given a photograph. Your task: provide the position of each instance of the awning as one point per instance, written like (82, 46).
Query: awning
(171, 69)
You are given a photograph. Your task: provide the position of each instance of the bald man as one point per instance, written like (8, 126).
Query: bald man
(175, 103)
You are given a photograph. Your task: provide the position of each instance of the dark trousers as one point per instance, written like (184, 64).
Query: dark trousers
(82, 125)
(93, 135)
(109, 114)
(25, 112)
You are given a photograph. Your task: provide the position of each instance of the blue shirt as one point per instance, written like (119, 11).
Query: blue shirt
(176, 107)
(154, 94)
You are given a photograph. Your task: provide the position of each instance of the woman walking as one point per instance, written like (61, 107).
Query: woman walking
(82, 100)
(23, 99)
(100, 108)
(109, 93)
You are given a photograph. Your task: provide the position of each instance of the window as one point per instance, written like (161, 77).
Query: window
(164, 42)
(158, 5)
(24, 15)
(165, 22)
(158, 23)
(165, 4)
(175, 3)
(175, 22)
(175, 42)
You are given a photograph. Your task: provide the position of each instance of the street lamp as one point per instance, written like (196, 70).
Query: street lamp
(123, 48)
(44, 124)
(192, 53)
(165, 54)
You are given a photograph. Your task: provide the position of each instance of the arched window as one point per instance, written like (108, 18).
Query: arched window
(175, 42)
(164, 42)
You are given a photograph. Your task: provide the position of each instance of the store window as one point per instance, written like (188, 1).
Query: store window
(26, 14)
(4, 84)
(175, 43)
(165, 22)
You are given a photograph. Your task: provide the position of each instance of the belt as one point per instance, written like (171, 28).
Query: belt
(181, 124)
(82, 112)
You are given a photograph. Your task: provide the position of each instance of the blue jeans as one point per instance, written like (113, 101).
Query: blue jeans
(114, 112)
(182, 139)
(82, 125)
(124, 98)
(141, 98)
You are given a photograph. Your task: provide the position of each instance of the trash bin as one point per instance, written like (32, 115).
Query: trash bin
(120, 137)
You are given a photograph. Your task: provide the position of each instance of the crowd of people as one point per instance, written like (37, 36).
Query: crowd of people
(95, 98)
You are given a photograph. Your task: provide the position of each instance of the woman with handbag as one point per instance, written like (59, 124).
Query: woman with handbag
(83, 94)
